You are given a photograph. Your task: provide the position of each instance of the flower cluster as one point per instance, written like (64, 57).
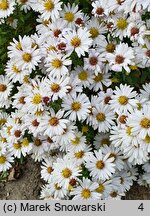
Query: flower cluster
(63, 104)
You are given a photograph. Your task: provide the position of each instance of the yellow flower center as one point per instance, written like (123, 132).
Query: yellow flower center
(98, 78)
(79, 154)
(55, 87)
(110, 47)
(2, 121)
(57, 187)
(4, 5)
(50, 170)
(53, 121)
(85, 128)
(86, 193)
(100, 117)
(145, 123)
(56, 63)
(75, 141)
(83, 75)
(17, 145)
(37, 99)
(2, 159)
(3, 87)
(76, 106)
(105, 141)
(75, 42)
(25, 142)
(15, 69)
(27, 57)
(100, 189)
(122, 24)
(23, 1)
(69, 16)
(49, 5)
(147, 139)
(100, 164)
(129, 130)
(66, 173)
(123, 100)
(94, 32)
(9, 129)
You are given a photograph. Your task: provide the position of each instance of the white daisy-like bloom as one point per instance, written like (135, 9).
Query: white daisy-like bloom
(80, 156)
(123, 99)
(120, 25)
(85, 76)
(56, 191)
(27, 58)
(3, 148)
(33, 101)
(101, 139)
(56, 28)
(26, 147)
(100, 81)
(49, 9)
(78, 143)
(103, 118)
(65, 138)
(14, 73)
(104, 187)
(107, 45)
(56, 64)
(5, 161)
(115, 195)
(25, 5)
(19, 98)
(86, 190)
(15, 148)
(47, 169)
(146, 166)
(56, 88)
(54, 123)
(139, 121)
(75, 84)
(6, 7)
(96, 30)
(105, 97)
(122, 57)
(135, 5)
(135, 154)
(78, 40)
(70, 13)
(65, 170)
(5, 88)
(145, 92)
(76, 107)
(100, 166)
(143, 55)
(95, 61)
(100, 8)
(116, 153)
(136, 31)
(32, 123)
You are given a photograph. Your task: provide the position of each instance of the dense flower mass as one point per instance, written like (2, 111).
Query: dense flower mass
(75, 96)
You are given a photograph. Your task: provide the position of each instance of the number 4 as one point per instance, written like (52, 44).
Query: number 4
(141, 207)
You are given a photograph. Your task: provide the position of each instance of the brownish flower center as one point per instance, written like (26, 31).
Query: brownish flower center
(2, 87)
(119, 59)
(93, 60)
